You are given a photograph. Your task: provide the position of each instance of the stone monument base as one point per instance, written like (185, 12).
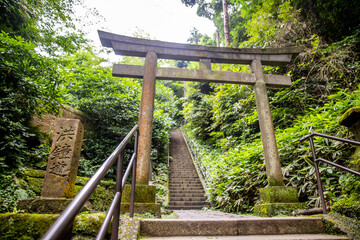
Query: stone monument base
(144, 200)
(39, 205)
(278, 201)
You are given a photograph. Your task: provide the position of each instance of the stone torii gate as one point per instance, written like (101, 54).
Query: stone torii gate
(152, 50)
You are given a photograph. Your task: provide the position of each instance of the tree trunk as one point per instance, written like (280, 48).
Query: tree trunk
(226, 24)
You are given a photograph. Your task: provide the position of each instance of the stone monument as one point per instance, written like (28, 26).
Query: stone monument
(64, 158)
(60, 176)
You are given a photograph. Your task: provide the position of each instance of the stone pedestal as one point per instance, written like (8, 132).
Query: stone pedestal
(144, 200)
(277, 200)
(351, 119)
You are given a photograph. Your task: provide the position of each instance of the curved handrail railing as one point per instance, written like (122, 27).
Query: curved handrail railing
(316, 160)
(61, 229)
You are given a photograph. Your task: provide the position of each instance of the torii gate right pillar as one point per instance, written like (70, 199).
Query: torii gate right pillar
(275, 198)
(272, 160)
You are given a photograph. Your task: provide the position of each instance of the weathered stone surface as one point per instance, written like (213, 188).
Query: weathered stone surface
(203, 75)
(43, 205)
(143, 193)
(46, 123)
(63, 160)
(278, 195)
(153, 208)
(129, 46)
(273, 209)
(272, 159)
(129, 228)
(144, 200)
(221, 227)
(277, 200)
(146, 119)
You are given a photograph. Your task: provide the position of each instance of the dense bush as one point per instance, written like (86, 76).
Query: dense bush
(349, 207)
(223, 123)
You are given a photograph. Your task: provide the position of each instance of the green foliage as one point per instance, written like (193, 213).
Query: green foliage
(113, 105)
(28, 86)
(33, 226)
(332, 20)
(29, 79)
(35, 21)
(160, 180)
(349, 207)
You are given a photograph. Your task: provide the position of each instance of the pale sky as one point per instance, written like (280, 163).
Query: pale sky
(165, 20)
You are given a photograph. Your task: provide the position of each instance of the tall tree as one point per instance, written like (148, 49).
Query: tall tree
(226, 23)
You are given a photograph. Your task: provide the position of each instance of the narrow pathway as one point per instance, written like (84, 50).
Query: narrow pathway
(185, 189)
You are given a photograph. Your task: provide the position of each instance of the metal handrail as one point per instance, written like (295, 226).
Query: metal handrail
(316, 160)
(61, 229)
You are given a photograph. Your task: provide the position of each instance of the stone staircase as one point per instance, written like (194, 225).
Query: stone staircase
(287, 228)
(185, 189)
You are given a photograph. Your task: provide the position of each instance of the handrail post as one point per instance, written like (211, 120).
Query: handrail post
(116, 216)
(133, 181)
(318, 176)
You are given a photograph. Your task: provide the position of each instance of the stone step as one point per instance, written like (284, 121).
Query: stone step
(193, 207)
(190, 185)
(198, 194)
(184, 189)
(184, 176)
(184, 179)
(231, 227)
(182, 166)
(182, 169)
(185, 183)
(175, 199)
(194, 191)
(186, 203)
(183, 173)
(256, 237)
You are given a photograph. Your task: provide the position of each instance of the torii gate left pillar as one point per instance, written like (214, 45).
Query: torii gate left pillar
(146, 119)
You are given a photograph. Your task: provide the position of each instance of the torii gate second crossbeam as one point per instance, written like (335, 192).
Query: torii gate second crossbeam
(152, 50)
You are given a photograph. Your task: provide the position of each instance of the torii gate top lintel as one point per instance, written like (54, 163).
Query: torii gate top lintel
(130, 46)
